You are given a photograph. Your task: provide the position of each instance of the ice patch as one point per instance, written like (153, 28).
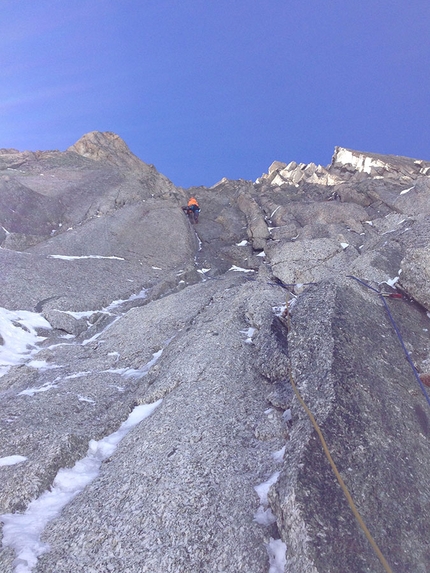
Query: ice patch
(242, 243)
(18, 329)
(12, 460)
(344, 245)
(22, 531)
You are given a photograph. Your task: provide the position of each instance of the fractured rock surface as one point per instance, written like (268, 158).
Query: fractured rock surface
(110, 298)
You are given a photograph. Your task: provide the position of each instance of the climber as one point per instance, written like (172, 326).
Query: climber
(192, 209)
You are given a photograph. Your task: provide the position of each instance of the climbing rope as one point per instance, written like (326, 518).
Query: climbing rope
(399, 336)
(335, 470)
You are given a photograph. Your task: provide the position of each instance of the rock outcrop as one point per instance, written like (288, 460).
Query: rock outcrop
(110, 300)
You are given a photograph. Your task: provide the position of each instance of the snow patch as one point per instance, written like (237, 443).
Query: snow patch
(406, 190)
(107, 309)
(22, 531)
(98, 334)
(276, 550)
(42, 365)
(278, 456)
(18, 329)
(360, 162)
(77, 375)
(12, 460)
(240, 269)
(44, 388)
(274, 211)
(75, 257)
(264, 515)
(286, 416)
(86, 399)
(249, 334)
(242, 243)
(263, 489)
(392, 282)
(136, 372)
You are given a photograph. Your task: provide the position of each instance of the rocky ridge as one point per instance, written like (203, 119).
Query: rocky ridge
(137, 305)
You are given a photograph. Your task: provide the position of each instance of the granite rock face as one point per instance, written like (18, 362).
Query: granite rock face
(352, 373)
(110, 298)
(416, 274)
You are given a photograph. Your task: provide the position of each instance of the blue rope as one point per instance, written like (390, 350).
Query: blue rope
(399, 336)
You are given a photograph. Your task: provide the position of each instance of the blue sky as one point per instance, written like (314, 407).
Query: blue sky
(212, 89)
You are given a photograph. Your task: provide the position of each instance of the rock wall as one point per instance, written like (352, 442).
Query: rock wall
(110, 298)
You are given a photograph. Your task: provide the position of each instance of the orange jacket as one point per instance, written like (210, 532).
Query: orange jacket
(192, 201)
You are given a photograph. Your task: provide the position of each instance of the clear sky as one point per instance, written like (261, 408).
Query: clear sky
(206, 89)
